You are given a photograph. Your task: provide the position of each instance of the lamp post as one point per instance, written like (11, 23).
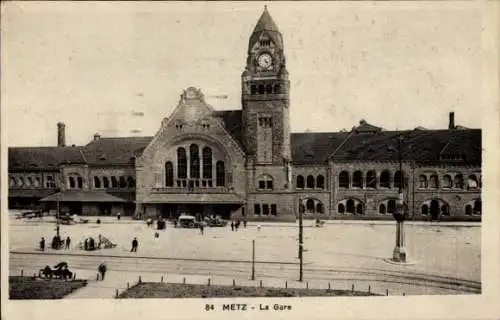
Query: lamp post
(301, 242)
(399, 253)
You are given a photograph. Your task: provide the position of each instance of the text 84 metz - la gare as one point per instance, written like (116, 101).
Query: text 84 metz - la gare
(261, 307)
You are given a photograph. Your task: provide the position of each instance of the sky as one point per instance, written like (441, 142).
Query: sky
(118, 68)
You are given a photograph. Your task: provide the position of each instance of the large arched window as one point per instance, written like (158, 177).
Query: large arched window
(472, 182)
(344, 179)
(207, 163)
(458, 181)
(422, 180)
(447, 181)
(114, 182)
(194, 155)
(220, 173)
(391, 206)
(131, 182)
(181, 163)
(468, 210)
(398, 178)
(300, 182)
(357, 179)
(371, 179)
(72, 183)
(320, 182)
(105, 182)
(350, 206)
(310, 205)
(359, 208)
(80, 182)
(310, 181)
(385, 179)
(97, 182)
(341, 208)
(169, 174)
(265, 182)
(382, 209)
(434, 181)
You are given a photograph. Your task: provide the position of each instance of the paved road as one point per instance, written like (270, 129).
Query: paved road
(273, 273)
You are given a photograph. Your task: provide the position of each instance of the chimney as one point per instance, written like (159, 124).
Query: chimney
(61, 134)
(451, 124)
(97, 137)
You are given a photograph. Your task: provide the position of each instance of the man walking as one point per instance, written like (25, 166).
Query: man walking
(201, 228)
(232, 225)
(135, 244)
(68, 242)
(102, 270)
(42, 244)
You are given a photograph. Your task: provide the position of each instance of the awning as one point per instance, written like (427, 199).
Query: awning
(212, 198)
(82, 196)
(29, 193)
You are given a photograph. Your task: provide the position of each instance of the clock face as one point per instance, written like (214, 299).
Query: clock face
(265, 60)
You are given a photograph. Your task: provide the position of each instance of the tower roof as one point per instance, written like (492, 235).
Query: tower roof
(265, 23)
(267, 26)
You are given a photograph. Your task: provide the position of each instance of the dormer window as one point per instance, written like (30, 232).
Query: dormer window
(179, 125)
(205, 124)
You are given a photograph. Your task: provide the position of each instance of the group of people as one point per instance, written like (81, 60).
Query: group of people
(236, 225)
(57, 243)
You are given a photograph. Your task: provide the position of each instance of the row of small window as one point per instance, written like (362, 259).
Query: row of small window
(265, 209)
(448, 183)
(189, 183)
(263, 89)
(310, 182)
(76, 182)
(371, 180)
(31, 182)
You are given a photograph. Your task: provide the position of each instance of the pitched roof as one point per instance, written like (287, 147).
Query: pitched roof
(265, 23)
(43, 158)
(314, 148)
(119, 151)
(423, 146)
(233, 120)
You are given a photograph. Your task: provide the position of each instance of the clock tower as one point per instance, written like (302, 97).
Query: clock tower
(265, 97)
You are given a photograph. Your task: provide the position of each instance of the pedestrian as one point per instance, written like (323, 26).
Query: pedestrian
(86, 244)
(102, 270)
(68, 242)
(157, 234)
(201, 228)
(232, 225)
(118, 215)
(99, 242)
(135, 244)
(42, 244)
(245, 223)
(237, 225)
(175, 223)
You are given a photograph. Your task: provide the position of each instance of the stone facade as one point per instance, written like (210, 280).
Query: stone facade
(248, 163)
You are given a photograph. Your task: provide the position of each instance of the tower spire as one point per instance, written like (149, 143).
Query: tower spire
(265, 22)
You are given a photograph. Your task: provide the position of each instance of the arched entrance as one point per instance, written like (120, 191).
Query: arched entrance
(435, 209)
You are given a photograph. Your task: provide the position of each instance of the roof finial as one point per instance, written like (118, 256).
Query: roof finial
(265, 7)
